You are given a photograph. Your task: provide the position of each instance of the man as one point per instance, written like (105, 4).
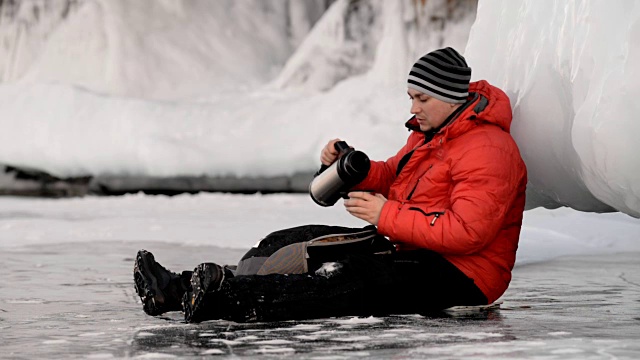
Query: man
(458, 186)
(451, 201)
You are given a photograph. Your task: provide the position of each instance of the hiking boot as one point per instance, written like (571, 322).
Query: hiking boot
(206, 280)
(159, 289)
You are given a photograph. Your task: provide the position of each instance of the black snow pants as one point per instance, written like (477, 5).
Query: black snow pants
(355, 282)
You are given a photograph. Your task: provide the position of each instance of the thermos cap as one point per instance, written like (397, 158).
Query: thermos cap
(332, 181)
(353, 167)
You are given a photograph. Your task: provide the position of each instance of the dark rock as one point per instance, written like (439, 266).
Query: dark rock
(118, 185)
(24, 181)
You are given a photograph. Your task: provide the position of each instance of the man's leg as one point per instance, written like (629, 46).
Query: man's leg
(359, 285)
(426, 282)
(349, 287)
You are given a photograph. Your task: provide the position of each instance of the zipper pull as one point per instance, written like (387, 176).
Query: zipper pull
(435, 217)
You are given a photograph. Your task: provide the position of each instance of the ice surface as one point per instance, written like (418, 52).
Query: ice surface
(570, 308)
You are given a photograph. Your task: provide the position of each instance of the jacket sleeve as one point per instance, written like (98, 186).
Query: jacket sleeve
(484, 186)
(383, 173)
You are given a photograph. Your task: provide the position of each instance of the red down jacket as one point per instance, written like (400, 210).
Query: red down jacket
(461, 194)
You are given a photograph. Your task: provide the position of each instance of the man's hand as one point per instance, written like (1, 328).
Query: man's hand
(365, 206)
(329, 154)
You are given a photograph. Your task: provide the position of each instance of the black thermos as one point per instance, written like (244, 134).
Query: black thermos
(332, 182)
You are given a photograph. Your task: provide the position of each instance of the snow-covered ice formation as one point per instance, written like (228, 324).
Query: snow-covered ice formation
(572, 71)
(154, 49)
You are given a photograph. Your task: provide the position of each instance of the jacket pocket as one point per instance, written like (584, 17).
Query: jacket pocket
(434, 214)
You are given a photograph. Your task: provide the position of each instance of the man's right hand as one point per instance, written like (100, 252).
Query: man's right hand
(329, 154)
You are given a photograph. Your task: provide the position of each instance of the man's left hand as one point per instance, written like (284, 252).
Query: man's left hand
(365, 206)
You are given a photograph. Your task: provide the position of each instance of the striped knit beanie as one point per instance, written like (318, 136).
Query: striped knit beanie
(442, 74)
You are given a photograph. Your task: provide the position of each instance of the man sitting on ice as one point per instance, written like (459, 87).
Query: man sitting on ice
(450, 201)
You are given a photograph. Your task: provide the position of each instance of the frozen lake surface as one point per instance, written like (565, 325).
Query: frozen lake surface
(72, 300)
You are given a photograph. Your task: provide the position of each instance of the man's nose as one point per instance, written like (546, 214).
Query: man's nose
(414, 108)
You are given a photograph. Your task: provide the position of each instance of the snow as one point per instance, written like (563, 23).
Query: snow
(329, 269)
(357, 321)
(465, 335)
(362, 338)
(238, 221)
(255, 134)
(155, 356)
(53, 342)
(270, 350)
(274, 342)
(212, 352)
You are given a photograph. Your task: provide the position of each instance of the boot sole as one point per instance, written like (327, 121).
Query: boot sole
(146, 284)
(205, 277)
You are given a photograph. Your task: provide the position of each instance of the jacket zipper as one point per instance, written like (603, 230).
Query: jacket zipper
(413, 190)
(416, 185)
(435, 214)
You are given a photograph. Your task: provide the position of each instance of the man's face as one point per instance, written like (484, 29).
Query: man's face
(429, 111)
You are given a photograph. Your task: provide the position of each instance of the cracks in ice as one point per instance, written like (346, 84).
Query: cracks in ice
(621, 276)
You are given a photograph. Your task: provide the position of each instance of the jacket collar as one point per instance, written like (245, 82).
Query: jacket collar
(485, 104)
